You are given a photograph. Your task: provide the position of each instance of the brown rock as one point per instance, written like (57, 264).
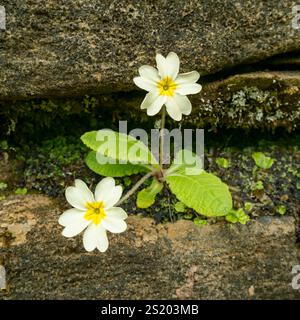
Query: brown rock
(175, 261)
(64, 48)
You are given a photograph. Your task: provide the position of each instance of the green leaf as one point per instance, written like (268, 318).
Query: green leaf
(180, 207)
(281, 210)
(118, 146)
(3, 186)
(249, 206)
(262, 161)
(200, 222)
(222, 162)
(112, 169)
(146, 197)
(4, 145)
(187, 160)
(205, 192)
(235, 216)
(259, 185)
(21, 191)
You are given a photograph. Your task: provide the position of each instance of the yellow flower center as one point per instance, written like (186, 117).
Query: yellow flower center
(95, 212)
(166, 87)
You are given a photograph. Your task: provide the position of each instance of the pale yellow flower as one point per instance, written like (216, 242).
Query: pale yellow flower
(167, 87)
(94, 213)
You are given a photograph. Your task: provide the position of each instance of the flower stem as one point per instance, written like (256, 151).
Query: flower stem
(162, 127)
(135, 187)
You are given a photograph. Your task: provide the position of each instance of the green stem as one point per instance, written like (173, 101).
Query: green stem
(135, 187)
(162, 127)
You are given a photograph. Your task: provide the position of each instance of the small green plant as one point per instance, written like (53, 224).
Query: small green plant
(239, 216)
(200, 222)
(262, 161)
(249, 206)
(223, 163)
(180, 207)
(3, 186)
(258, 186)
(4, 145)
(21, 191)
(116, 154)
(281, 210)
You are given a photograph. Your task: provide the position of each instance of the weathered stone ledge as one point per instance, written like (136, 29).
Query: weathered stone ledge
(175, 261)
(59, 48)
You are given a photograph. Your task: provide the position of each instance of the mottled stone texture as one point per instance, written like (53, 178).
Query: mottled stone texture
(250, 100)
(67, 48)
(180, 261)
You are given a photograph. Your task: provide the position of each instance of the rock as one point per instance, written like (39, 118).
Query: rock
(171, 261)
(251, 100)
(61, 49)
(261, 100)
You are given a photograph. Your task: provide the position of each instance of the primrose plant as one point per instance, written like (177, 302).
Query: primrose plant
(116, 154)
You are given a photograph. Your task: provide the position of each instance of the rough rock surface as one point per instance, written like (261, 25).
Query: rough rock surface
(262, 100)
(175, 261)
(63, 48)
(250, 100)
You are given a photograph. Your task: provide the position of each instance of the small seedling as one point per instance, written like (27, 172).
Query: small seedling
(249, 206)
(3, 186)
(262, 161)
(258, 185)
(222, 162)
(239, 215)
(21, 191)
(180, 207)
(281, 210)
(200, 222)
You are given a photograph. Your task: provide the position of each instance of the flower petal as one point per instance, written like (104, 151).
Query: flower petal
(79, 195)
(185, 89)
(189, 77)
(149, 99)
(162, 65)
(173, 109)
(172, 65)
(149, 73)
(144, 83)
(93, 236)
(117, 212)
(114, 225)
(183, 104)
(113, 197)
(69, 216)
(102, 243)
(156, 105)
(103, 187)
(86, 192)
(75, 228)
(107, 192)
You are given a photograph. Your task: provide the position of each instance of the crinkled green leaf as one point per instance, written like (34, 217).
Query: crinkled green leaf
(180, 207)
(262, 161)
(112, 169)
(235, 216)
(187, 160)
(205, 192)
(146, 197)
(200, 222)
(223, 162)
(118, 146)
